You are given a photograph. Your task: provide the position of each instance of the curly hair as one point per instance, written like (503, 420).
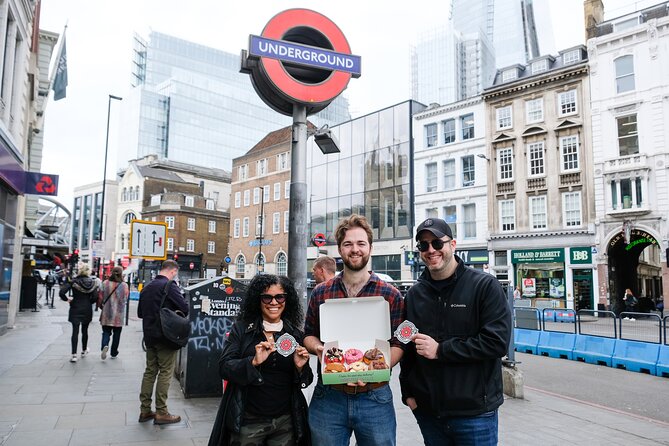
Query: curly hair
(251, 312)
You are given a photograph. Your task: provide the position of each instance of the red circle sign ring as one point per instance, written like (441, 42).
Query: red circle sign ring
(319, 239)
(325, 91)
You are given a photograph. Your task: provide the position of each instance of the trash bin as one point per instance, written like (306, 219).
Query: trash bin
(213, 306)
(28, 293)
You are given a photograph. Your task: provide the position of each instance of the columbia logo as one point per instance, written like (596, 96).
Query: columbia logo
(458, 306)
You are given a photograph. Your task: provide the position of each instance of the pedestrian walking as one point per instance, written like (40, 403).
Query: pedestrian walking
(263, 401)
(451, 376)
(160, 353)
(112, 300)
(365, 409)
(630, 303)
(84, 295)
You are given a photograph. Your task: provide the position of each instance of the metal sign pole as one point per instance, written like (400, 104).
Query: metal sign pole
(297, 227)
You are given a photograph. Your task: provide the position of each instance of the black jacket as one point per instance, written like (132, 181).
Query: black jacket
(84, 295)
(235, 367)
(470, 319)
(149, 305)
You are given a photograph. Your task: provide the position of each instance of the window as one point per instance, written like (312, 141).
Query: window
(190, 245)
(509, 75)
(260, 262)
(626, 193)
(539, 66)
(265, 194)
(431, 177)
(241, 265)
(276, 222)
(170, 222)
(277, 191)
(535, 158)
(256, 195)
(238, 199)
(282, 161)
(189, 201)
(468, 171)
(467, 122)
(431, 213)
(451, 217)
(286, 221)
(567, 103)
(170, 244)
(261, 167)
(626, 24)
(449, 131)
(431, 135)
(122, 242)
(260, 225)
(571, 57)
(243, 172)
(507, 215)
(191, 224)
(247, 197)
(535, 110)
(449, 174)
(628, 137)
(245, 227)
(129, 217)
(469, 220)
(505, 164)
(209, 204)
(235, 228)
(155, 200)
(504, 118)
(569, 153)
(282, 264)
(571, 209)
(538, 217)
(212, 226)
(211, 247)
(624, 74)
(286, 190)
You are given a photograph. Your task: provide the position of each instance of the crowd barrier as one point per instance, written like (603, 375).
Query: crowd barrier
(631, 341)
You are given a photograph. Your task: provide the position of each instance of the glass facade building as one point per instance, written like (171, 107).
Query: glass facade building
(192, 105)
(371, 176)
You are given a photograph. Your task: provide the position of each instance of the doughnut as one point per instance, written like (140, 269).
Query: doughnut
(372, 354)
(335, 367)
(334, 354)
(352, 355)
(378, 364)
(357, 367)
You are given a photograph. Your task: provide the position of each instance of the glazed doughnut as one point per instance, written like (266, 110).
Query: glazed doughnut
(372, 354)
(358, 367)
(378, 364)
(335, 367)
(352, 355)
(334, 354)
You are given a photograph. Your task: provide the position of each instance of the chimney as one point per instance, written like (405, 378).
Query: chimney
(593, 12)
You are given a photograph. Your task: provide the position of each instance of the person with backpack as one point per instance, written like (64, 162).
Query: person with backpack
(84, 295)
(112, 300)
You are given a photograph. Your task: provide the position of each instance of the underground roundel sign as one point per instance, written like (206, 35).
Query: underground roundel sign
(301, 57)
(319, 239)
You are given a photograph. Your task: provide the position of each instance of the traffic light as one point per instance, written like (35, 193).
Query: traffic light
(74, 258)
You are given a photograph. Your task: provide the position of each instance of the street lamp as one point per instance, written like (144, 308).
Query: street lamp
(104, 173)
(326, 141)
(262, 222)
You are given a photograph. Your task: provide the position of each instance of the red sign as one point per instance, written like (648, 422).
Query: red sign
(192, 265)
(319, 239)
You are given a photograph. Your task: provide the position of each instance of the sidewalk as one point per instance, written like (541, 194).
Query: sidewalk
(46, 400)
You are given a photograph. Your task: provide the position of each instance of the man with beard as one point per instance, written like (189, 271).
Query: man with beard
(451, 374)
(363, 408)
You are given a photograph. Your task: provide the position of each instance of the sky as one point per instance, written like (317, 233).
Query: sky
(99, 56)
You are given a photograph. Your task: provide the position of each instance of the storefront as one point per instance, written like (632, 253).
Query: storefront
(541, 275)
(476, 258)
(581, 271)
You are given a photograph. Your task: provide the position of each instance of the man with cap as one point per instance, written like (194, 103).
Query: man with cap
(451, 374)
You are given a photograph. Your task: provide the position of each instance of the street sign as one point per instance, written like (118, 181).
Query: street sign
(227, 259)
(192, 265)
(98, 248)
(148, 239)
(319, 239)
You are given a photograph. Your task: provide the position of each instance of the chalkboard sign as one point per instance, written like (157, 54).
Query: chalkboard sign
(214, 304)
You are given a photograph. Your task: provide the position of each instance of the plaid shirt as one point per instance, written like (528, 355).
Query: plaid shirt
(335, 289)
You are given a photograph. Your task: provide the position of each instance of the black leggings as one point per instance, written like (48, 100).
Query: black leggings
(75, 336)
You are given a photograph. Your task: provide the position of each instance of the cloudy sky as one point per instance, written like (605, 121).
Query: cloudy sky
(99, 51)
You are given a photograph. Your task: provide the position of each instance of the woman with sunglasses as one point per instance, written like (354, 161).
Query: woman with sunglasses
(263, 401)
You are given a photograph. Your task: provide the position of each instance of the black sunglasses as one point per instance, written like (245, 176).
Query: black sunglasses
(267, 298)
(437, 244)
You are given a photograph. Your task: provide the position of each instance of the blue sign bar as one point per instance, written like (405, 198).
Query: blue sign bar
(304, 55)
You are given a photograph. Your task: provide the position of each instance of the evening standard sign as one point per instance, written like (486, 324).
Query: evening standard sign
(538, 256)
(304, 55)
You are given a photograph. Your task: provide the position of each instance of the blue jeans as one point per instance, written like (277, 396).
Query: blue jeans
(480, 430)
(107, 331)
(333, 415)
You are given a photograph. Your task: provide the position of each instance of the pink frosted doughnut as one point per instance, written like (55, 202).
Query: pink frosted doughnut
(352, 355)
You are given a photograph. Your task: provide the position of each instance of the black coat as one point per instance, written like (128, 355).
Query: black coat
(235, 367)
(149, 306)
(84, 295)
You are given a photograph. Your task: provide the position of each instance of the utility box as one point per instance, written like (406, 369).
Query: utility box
(213, 307)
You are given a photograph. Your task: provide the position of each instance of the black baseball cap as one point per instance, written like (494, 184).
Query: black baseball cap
(436, 226)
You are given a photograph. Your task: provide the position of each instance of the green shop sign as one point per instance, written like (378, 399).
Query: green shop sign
(538, 256)
(580, 255)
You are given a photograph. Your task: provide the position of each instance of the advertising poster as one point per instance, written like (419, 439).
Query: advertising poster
(529, 287)
(556, 287)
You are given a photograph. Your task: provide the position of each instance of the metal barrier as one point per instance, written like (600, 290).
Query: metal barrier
(665, 322)
(561, 320)
(597, 323)
(644, 327)
(528, 318)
